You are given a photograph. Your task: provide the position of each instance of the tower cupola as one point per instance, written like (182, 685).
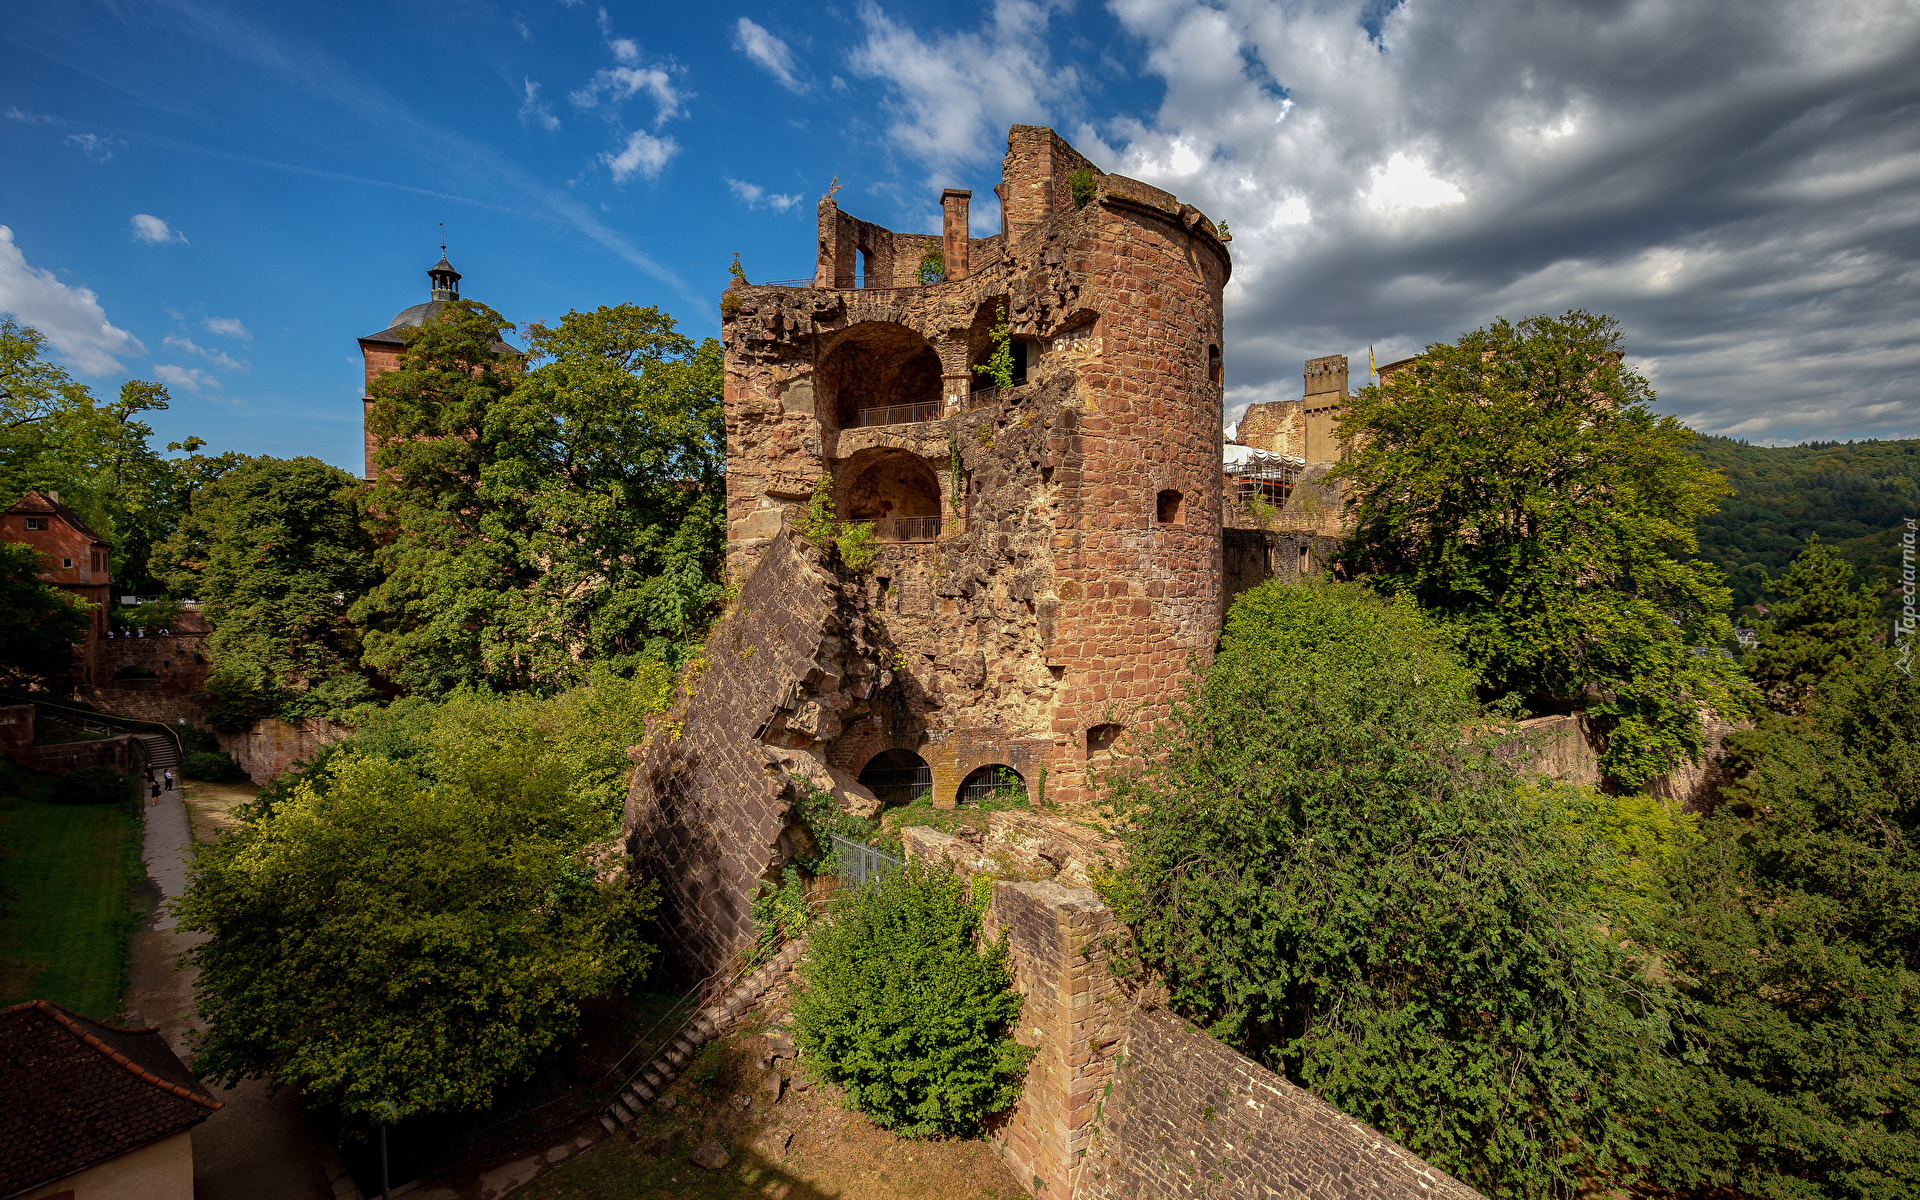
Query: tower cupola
(446, 280)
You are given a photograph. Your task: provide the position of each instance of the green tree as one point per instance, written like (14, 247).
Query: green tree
(427, 938)
(1518, 487)
(534, 524)
(1326, 874)
(903, 1010)
(1821, 625)
(276, 553)
(1795, 935)
(43, 622)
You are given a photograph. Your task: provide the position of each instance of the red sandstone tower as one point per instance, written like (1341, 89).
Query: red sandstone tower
(1052, 550)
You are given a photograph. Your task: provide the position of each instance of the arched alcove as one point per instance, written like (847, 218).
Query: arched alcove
(1101, 740)
(897, 776)
(990, 780)
(878, 373)
(894, 489)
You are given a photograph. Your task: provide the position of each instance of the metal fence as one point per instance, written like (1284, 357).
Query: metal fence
(855, 863)
(907, 529)
(898, 414)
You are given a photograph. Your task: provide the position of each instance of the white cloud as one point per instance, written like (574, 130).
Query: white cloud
(191, 378)
(213, 355)
(153, 230)
(753, 196)
(228, 327)
(31, 118)
(955, 94)
(625, 50)
(534, 110)
(1405, 183)
(767, 50)
(95, 147)
(520, 27)
(1738, 184)
(70, 317)
(644, 155)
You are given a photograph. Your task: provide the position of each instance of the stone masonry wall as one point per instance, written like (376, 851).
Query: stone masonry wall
(1187, 1116)
(711, 809)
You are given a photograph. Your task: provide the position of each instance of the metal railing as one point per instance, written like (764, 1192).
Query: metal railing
(897, 414)
(984, 398)
(856, 864)
(109, 719)
(907, 529)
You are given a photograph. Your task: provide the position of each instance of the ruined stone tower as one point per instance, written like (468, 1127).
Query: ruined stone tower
(1051, 550)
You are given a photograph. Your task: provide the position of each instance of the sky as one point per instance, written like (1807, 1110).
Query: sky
(222, 197)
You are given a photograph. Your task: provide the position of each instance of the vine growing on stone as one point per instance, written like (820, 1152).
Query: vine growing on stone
(999, 364)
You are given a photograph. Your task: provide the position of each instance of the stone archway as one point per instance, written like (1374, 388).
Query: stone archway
(897, 776)
(878, 373)
(894, 489)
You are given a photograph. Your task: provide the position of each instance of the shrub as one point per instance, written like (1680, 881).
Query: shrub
(902, 1009)
(1083, 185)
(211, 767)
(90, 785)
(817, 523)
(933, 266)
(193, 737)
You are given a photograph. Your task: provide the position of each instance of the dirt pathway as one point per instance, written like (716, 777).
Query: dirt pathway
(258, 1147)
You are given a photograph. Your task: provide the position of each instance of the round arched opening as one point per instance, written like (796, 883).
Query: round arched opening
(1100, 741)
(894, 489)
(897, 776)
(879, 374)
(996, 781)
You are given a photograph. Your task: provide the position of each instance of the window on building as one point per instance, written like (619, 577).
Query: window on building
(36, 522)
(1169, 510)
(1213, 365)
(66, 564)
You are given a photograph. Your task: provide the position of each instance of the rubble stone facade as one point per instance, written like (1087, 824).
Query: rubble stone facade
(1052, 554)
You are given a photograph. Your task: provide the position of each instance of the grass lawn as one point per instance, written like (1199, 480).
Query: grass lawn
(70, 872)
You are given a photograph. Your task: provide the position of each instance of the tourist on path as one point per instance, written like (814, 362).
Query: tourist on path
(168, 775)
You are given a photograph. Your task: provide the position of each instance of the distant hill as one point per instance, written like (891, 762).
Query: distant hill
(1855, 495)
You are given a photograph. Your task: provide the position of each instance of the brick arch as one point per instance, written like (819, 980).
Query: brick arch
(875, 370)
(895, 489)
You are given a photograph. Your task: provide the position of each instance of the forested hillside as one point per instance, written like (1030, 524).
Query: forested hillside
(1853, 494)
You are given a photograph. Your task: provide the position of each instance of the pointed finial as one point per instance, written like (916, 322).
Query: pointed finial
(443, 239)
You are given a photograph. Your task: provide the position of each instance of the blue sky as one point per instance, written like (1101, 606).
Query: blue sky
(224, 196)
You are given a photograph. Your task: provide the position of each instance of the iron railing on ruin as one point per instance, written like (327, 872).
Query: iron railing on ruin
(897, 414)
(856, 863)
(907, 529)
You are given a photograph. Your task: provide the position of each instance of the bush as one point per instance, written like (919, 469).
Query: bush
(212, 768)
(1084, 186)
(902, 1009)
(1326, 875)
(90, 785)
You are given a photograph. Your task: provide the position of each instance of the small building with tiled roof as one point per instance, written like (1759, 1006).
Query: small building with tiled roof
(380, 352)
(90, 1112)
(74, 558)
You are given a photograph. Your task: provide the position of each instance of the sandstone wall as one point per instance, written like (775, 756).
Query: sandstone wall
(1279, 427)
(1187, 1116)
(178, 663)
(1251, 557)
(273, 745)
(1567, 748)
(710, 811)
(122, 753)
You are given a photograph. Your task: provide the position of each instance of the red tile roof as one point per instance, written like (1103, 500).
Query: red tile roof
(38, 503)
(75, 1093)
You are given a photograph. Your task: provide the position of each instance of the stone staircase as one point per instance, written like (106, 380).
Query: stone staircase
(162, 754)
(646, 1086)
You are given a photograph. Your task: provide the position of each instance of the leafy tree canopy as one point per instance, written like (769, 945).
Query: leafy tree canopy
(276, 553)
(1795, 935)
(419, 916)
(1325, 873)
(43, 622)
(533, 522)
(1517, 486)
(1822, 624)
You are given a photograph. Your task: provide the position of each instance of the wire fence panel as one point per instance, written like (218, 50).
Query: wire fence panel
(855, 863)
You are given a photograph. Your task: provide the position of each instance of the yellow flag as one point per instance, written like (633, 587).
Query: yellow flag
(1370, 370)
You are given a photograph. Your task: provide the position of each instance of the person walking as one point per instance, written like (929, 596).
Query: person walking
(153, 790)
(168, 776)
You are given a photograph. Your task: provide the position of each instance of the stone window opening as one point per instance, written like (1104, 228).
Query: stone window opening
(880, 373)
(1169, 508)
(66, 564)
(996, 780)
(897, 777)
(896, 491)
(864, 279)
(1213, 365)
(1100, 740)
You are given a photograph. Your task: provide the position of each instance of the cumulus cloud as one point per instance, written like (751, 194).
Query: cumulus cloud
(1738, 183)
(191, 378)
(754, 196)
(620, 83)
(95, 147)
(70, 317)
(534, 110)
(228, 327)
(153, 230)
(768, 51)
(954, 95)
(214, 355)
(644, 155)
